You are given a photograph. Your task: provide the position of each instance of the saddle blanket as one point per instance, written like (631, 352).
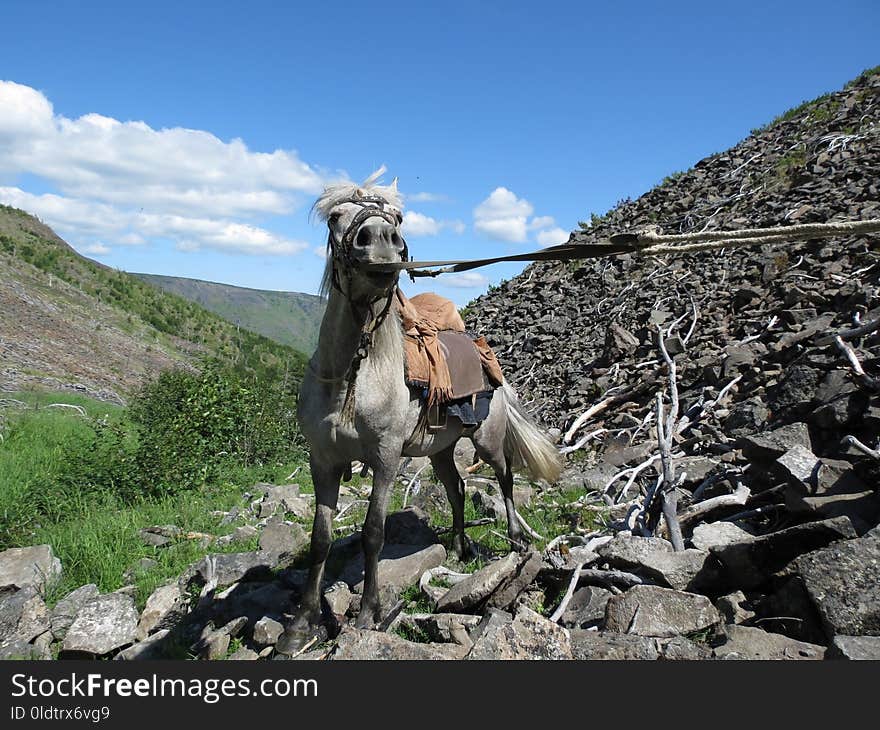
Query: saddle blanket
(440, 356)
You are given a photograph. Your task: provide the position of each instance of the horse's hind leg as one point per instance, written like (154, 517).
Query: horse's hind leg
(308, 617)
(447, 472)
(491, 450)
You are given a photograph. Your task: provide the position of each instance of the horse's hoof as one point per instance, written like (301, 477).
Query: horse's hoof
(464, 550)
(296, 640)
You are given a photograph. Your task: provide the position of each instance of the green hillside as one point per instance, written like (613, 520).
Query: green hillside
(290, 318)
(70, 323)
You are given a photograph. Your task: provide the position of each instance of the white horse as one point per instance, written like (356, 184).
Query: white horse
(355, 405)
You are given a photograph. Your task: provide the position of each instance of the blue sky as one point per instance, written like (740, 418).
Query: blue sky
(191, 138)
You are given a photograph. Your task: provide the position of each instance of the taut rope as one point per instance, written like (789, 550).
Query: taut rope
(646, 242)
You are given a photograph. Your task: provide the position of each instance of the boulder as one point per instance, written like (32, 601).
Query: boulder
(409, 526)
(228, 568)
(843, 582)
(163, 604)
(750, 564)
(151, 648)
(472, 591)
(711, 535)
(733, 608)
(101, 626)
(656, 611)
(745, 642)
(655, 559)
(400, 566)
(34, 566)
(338, 598)
(527, 636)
(267, 631)
(356, 644)
(282, 538)
(67, 608)
(586, 608)
(610, 645)
(23, 615)
(767, 446)
(514, 584)
(854, 648)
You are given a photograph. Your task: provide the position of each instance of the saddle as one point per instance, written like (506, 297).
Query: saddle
(452, 367)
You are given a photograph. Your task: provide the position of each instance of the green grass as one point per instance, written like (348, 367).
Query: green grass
(95, 534)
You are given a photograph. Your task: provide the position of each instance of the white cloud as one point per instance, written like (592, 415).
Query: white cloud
(467, 280)
(552, 237)
(320, 251)
(503, 216)
(174, 170)
(82, 218)
(96, 249)
(428, 198)
(417, 224)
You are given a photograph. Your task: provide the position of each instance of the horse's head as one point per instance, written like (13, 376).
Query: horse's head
(364, 228)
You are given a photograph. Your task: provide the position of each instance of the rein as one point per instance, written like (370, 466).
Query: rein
(644, 242)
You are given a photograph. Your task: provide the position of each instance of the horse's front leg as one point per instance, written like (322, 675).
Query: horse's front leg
(307, 622)
(372, 538)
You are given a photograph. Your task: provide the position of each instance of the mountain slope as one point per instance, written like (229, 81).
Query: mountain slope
(70, 323)
(290, 318)
(567, 333)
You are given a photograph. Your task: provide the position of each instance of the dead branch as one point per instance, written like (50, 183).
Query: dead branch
(525, 525)
(856, 365)
(665, 433)
(347, 507)
(739, 497)
(864, 448)
(79, 409)
(569, 592)
(583, 440)
(597, 408)
(412, 481)
(479, 464)
(470, 523)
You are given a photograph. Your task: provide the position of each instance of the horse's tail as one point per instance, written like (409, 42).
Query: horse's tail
(524, 443)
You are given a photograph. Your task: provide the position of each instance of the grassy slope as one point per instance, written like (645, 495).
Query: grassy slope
(89, 313)
(290, 318)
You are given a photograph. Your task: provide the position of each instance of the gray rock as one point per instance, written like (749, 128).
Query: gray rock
(475, 589)
(400, 566)
(609, 645)
(355, 644)
(243, 654)
(656, 611)
(215, 646)
(230, 568)
(23, 615)
(654, 558)
(282, 538)
(799, 464)
(679, 649)
(745, 642)
(34, 566)
(768, 446)
(66, 609)
(410, 526)
(21, 650)
(142, 566)
(854, 648)
(513, 585)
(101, 626)
(165, 603)
(717, 534)
(843, 582)
(750, 564)
(489, 505)
(244, 533)
(338, 598)
(151, 648)
(156, 536)
(733, 608)
(526, 636)
(586, 608)
(442, 627)
(267, 631)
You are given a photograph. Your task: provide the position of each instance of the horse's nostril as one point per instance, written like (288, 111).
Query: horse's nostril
(396, 241)
(363, 238)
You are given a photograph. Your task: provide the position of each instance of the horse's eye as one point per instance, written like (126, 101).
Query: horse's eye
(399, 217)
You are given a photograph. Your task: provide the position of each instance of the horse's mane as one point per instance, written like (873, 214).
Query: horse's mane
(337, 193)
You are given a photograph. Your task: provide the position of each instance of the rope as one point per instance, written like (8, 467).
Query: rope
(647, 242)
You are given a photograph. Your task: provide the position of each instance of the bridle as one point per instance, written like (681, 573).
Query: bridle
(341, 251)
(372, 206)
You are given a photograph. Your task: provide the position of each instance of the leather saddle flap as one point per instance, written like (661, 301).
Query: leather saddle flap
(464, 363)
